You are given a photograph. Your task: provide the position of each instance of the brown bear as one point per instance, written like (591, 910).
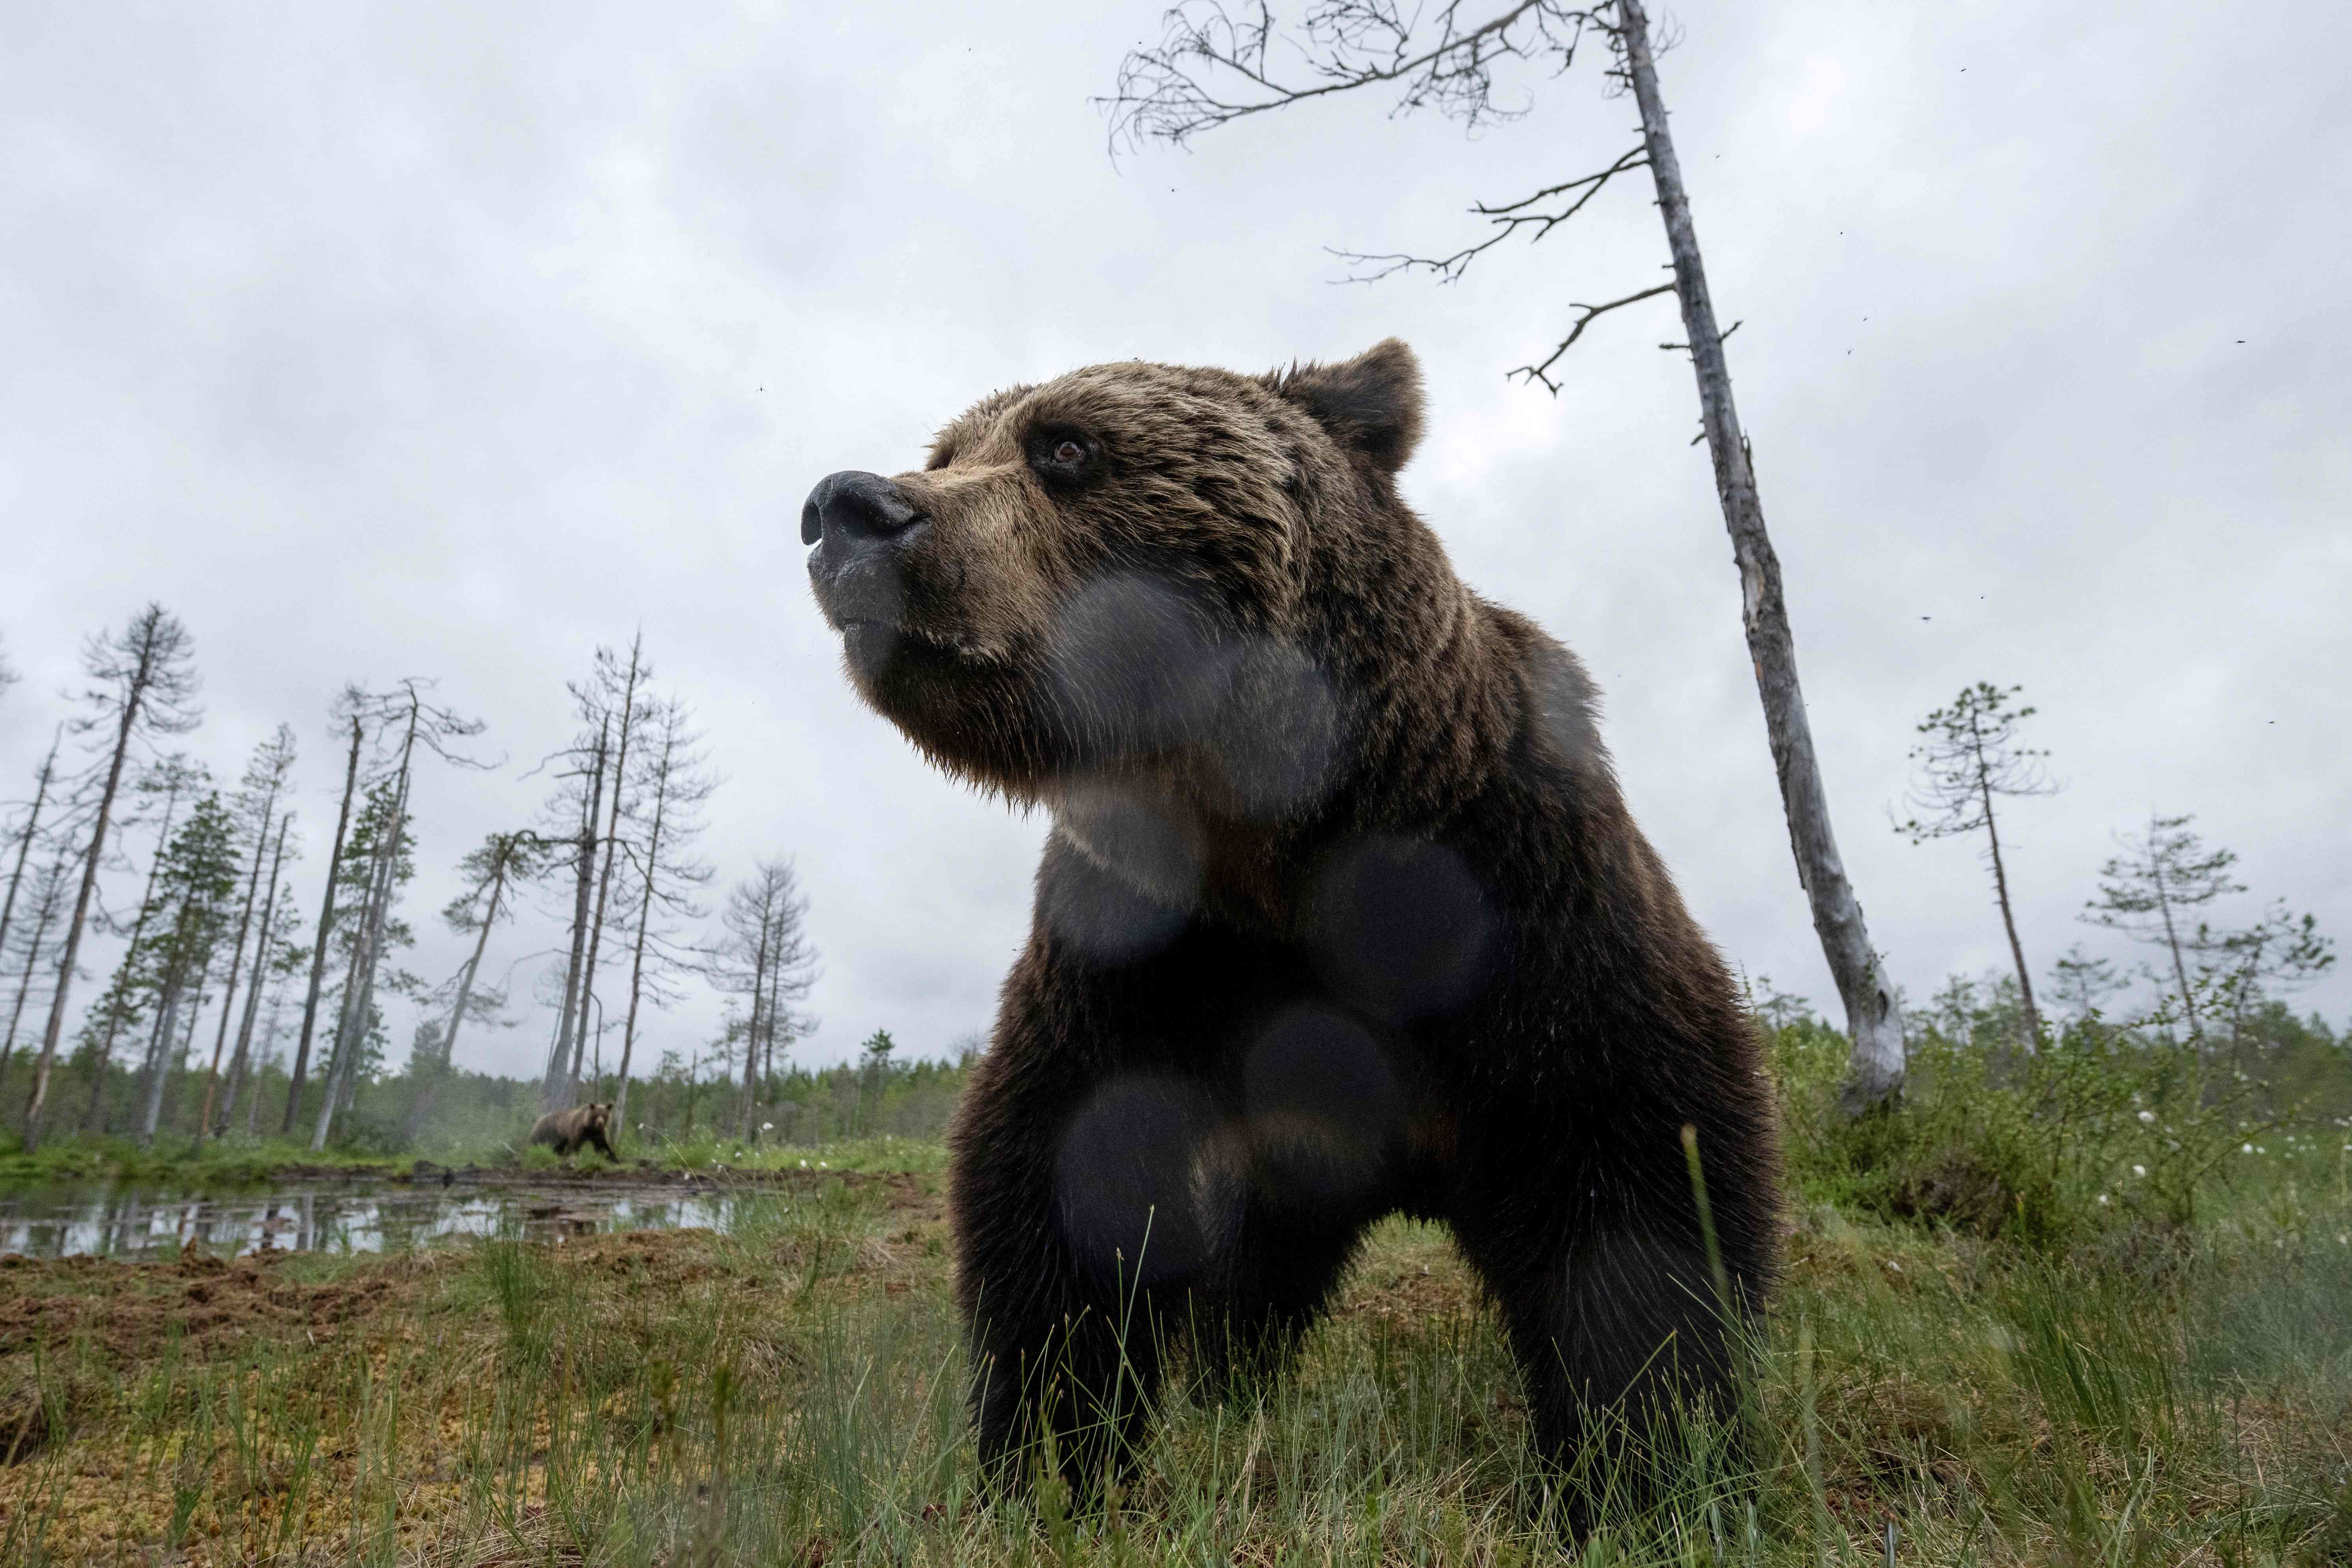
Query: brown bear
(1340, 914)
(568, 1130)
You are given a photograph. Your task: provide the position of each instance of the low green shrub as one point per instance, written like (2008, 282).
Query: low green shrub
(2099, 1127)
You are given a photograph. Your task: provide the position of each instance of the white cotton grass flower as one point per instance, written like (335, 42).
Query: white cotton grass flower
(2139, 1170)
(767, 1126)
(2149, 1117)
(804, 1164)
(2245, 1148)
(2103, 1200)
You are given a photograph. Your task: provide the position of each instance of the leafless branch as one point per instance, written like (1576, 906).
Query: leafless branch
(1212, 65)
(1587, 315)
(1507, 219)
(1722, 337)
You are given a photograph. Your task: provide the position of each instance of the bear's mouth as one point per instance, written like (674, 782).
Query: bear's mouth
(873, 643)
(868, 642)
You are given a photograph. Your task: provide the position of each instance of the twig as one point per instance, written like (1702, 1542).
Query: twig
(1364, 43)
(1507, 219)
(1591, 313)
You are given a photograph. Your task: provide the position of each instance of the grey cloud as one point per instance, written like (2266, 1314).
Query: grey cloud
(438, 339)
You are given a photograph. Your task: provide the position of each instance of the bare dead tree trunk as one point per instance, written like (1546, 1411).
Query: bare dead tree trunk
(235, 970)
(1875, 1069)
(31, 830)
(554, 1094)
(752, 1025)
(645, 924)
(57, 1023)
(325, 929)
(241, 1062)
(165, 1045)
(48, 896)
(358, 1001)
(269, 1035)
(631, 681)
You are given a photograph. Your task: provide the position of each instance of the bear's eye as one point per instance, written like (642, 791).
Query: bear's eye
(1063, 456)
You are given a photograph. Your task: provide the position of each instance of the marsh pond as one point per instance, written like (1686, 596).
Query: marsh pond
(326, 1213)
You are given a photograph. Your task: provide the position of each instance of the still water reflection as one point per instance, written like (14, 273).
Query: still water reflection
(66, 1219)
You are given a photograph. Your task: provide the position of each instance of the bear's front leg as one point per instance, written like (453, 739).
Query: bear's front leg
(1078, 1205)
(1632, 1362)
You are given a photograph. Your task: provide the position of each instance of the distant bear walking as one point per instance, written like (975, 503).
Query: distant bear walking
(568, 1130)
(1341, 913)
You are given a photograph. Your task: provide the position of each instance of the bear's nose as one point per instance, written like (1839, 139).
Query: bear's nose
(852, 506)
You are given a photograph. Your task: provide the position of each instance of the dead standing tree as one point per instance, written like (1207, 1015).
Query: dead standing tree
(614, 699)
(402, 710)
(29, 832)
(265, 934)
(143, 685)
(766, 955)
(666, 874)
(555, 1093)
(266, 780)
(1212, 66)
(347, 717)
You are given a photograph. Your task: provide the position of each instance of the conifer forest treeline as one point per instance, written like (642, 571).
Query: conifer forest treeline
(184, 957)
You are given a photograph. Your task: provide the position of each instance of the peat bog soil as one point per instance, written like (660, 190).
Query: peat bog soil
(790, 1393)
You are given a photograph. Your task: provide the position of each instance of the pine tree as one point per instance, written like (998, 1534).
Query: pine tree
(380, 862)
(2244, 967)
(123, 1003)
(194, 889)
(1971, 758)
(2151, 890)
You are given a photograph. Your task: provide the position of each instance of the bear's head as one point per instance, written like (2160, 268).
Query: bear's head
(1147, 583)
(599, 1119)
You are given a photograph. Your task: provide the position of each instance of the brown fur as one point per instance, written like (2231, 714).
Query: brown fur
(568, 1130)
(1341, 912)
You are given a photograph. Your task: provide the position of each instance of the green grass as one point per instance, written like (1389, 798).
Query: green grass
(791, 1393)
(236, 1161)
(242, 1162)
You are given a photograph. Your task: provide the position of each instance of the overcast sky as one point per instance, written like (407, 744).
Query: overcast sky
(452, 340)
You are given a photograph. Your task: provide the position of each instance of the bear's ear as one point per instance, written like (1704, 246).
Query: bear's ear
(1371, 403)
